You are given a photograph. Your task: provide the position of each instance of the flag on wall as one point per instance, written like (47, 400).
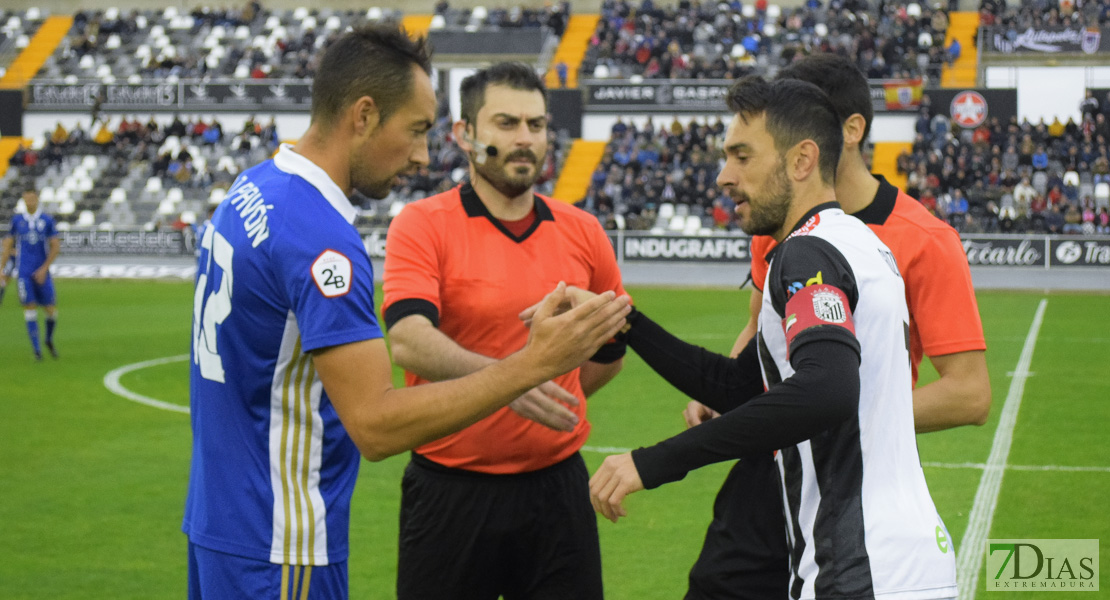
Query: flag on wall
(902, 94)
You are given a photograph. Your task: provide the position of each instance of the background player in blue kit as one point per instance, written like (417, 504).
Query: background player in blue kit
(38, 242)
(290, 378)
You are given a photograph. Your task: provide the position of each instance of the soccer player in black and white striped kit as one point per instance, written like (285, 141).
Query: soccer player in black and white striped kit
(826, 382)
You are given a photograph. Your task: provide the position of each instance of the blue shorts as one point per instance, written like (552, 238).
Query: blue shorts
(33, 293)
(216, 576)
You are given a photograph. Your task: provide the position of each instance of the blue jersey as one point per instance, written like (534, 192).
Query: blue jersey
(31, 233)
(282, 271)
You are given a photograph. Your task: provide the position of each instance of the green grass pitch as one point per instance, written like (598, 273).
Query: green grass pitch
(92, 486)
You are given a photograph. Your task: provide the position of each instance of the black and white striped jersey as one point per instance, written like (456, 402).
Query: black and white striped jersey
(860, 518)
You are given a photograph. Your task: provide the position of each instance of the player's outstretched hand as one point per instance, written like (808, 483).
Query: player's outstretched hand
(697, 413)
(616, 478)
(574, 297)
(544, 404)
(560, 342)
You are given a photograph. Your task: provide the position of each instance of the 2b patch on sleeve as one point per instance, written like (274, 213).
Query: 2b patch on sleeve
(332, 273)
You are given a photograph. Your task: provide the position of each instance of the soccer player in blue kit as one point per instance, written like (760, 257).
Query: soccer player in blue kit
(38, 241)
(290, 377)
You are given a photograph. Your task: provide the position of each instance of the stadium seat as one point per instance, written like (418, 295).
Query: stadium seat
(774, 11)
(748, 10)
(619, 219)
(46, 194)
(1102, 194)
(693, 224)
(85, 218)
(154, 184)
(105, 226)
(913, 9)
(666, 210)
(1071, 178)
(682, 210)
(33, 13)
(299, 14)
(174, 195)
(62, 226)
(374, 14)
(67, 207)
(189, 217)
(113, 42)
(117, 196)
(396, 207)
(678, 223)
(438, 22)
(1040, 182)
(216, 195)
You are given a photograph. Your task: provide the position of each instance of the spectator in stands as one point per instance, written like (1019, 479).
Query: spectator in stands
(1073, 220)
(1054, 220)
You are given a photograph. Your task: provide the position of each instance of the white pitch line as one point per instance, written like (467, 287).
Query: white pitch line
(111, 381)
(969, 556)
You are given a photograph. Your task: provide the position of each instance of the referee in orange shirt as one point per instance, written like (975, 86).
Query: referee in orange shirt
(501, 508)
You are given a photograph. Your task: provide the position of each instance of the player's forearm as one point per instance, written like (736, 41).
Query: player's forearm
(719, 382)
(55, 248)
(594, 375)
(413, 416)
(822, 393)
(961, 396)
(755, 304)
(421, 348)
(383, 421)
(6, 250)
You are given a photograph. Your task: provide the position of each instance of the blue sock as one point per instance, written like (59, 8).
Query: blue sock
(33, 331)
(50, 322)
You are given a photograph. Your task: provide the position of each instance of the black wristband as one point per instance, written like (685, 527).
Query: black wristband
(630, 321)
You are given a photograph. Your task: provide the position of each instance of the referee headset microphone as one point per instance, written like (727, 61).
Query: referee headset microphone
(484, 150)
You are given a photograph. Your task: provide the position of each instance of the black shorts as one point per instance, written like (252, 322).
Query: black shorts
(474, 536)
(745, 554)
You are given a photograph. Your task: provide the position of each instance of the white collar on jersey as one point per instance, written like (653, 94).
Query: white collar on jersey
(289, 161)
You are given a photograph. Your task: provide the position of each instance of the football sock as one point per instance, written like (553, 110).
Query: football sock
(51, 321)
(31, 316)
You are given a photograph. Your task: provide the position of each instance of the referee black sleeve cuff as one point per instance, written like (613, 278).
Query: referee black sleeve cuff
(410, 306)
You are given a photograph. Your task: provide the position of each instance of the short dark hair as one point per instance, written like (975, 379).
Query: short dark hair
(795, 111)
(371, 60)
(841, 80)
(518, 76)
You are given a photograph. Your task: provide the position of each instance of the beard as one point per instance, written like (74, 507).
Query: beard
(767, 215)
(519, 179)
(377, 189)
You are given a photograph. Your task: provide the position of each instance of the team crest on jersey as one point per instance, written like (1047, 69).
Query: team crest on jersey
(332, 273)
(828, 307)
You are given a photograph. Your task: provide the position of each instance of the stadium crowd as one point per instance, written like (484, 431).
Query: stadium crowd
(250, 42)
(708, 40)
(999, 178)
(1014, 176)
